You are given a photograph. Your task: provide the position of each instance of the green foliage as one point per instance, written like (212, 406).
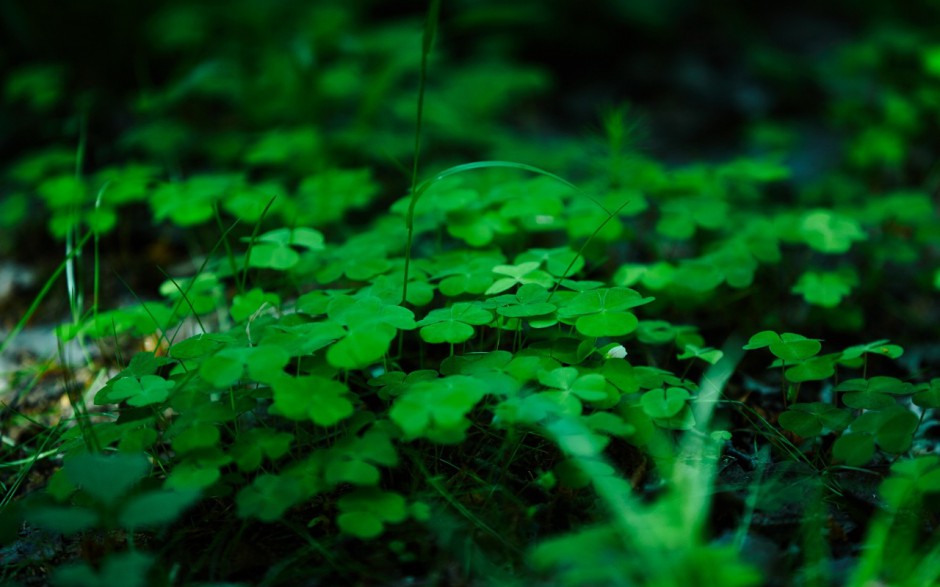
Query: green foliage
(504, 368)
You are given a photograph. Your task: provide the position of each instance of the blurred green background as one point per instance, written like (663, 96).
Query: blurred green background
(290, 97)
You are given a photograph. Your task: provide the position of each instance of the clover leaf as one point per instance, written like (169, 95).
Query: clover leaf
(815, 368)
(193, 475)
(879, 384)
(707, 354)
(463, 272)
(590, 387)
(557, 261)
(477, 228)
(119, 568)
(927, 395)
(312, 397)
(664, 403)
(143, 391)
(530, 300)
(372, 325)
(520, 274)
(255, 444)
(789, 347)
(437, 409)
(156, 508)
(227, 366)
(191, 202)
(830, 232)
(365, 512)
(874, 393)
(601, 312)
(269, 496)
(813, 419)
(200, 294)
(892, 427)
(106, 477)
(252, 302)
(826, 289)
(355, 460)
(361, 347)
(453, 324)
(63, 519)
(854, 448)
(326, 196)
(276, 249)
(196, 436)
(878, 347)
(911, 480)
(681, 216)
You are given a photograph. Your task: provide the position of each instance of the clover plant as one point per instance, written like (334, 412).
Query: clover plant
(607, 370)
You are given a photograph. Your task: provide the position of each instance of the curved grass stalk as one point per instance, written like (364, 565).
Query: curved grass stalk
(423, 187)
(417, 190)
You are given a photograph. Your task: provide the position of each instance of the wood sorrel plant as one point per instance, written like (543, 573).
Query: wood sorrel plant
(506, 371)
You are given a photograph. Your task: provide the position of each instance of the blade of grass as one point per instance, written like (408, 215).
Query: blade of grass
(46, 288)
(251, 242)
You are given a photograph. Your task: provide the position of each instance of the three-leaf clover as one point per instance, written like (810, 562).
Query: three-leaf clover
(138, 391)
(312, 397)
(528, 301)
(275, 249)
(453, 324)
(371, 325)
(789, 347)
(520, 274)
(830, 232)
(591, 387)
(812, 419)
(437, 409)
(365, 512)
(826, 289)
(602, 312)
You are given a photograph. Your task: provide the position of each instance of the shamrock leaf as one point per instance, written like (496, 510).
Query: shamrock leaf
(253, 445)
(664, 403)
(557, 261)
(361, 347)
(269, 496)
(927, 395)
(465, 272)
(324, 401)
(438, 408)
(453, 324)
(252, 302)
(106, 477)
(226, 367)
(276, 249)
(355, 460)
(788, 346)
(813, 369)
(156, 508)
(530, 300)
(589, 387)
(854, 448)
(879, 347)
(520, 274)
(826, 289)
(601, 312)
(366, 511)
(892, 427)
(707, 354)
(143, 391)
(812, 419)
(829, 232)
